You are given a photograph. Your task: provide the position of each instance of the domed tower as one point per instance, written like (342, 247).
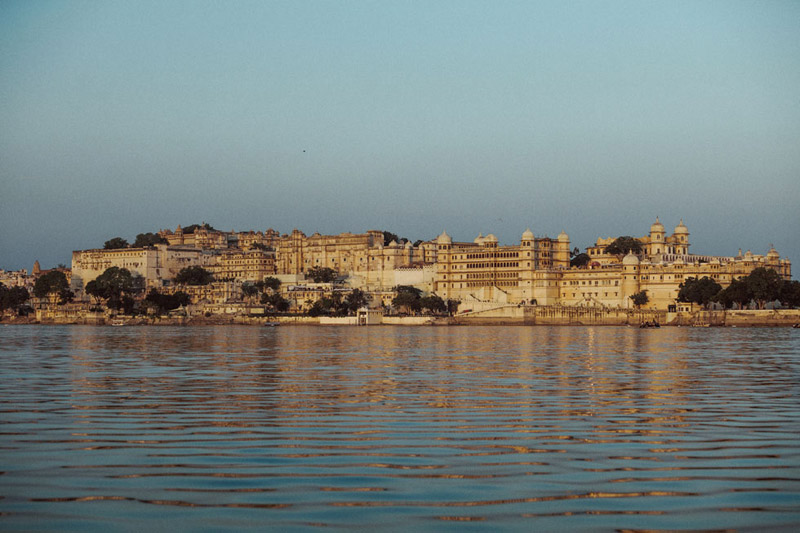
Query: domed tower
(561, 251)
(527, 238)
(630, 279)
(444, 266)
(490, 241)
(774, 258)
(657, 238)
(444, 241)
(681, 238)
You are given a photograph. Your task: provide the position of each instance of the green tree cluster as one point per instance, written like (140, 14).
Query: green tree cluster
(194, 227)
(579, 260)
(700, 291)
(148, 239)
(409, 300)
(336, 305)
(268, 289)
(166, 302)
(640, 298)
(14, 298)
(115, 244)
(321, 274)
(388, 237)
(53, 282)
(761, 286)
(194, 275)
(116, 286)
(623, 245)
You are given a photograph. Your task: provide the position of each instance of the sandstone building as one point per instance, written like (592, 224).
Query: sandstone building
(481, 273)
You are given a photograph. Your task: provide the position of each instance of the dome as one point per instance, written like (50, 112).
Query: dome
(657, 227)
(773, 253)
(444, 238)
(490, 238)
(630, 259)
(479, 238)
(681, 229)
(527, 235)
(563, 237)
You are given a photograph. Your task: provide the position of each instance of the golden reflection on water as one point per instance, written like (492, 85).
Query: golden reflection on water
(537, 422)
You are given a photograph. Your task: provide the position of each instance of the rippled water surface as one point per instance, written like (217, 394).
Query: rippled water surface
(391, 428)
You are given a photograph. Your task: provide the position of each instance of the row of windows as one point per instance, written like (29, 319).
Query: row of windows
(492, 275)
(491, 255)
(493, 265)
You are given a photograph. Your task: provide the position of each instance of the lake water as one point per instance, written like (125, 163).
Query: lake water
(399, 428)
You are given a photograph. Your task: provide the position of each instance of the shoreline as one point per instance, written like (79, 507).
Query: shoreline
(745, 318)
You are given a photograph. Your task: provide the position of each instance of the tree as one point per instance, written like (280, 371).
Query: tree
(271, 283)
(275, 302)
(194, 227)
(623, 245)
(194, 275)
(355, 300)
(408, 299)
(53, 282)
(13, 298)
(167, 302)
(790, 293)
(148, 239)
(115, 285)
(765, 285)
(579, 260)
(737, 293)
(321, 274)
(408, 288)
(388, 237)
(115, 244)
(700, 291)
(250, 289)
(328, 306)
(640, 298)
(433, 304)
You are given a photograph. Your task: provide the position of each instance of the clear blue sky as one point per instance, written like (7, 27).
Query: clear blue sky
(118, 118)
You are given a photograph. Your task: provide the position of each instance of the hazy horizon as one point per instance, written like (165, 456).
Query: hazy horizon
(119, 118)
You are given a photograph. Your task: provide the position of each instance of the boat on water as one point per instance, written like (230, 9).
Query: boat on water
(117, 322)
(271, 324)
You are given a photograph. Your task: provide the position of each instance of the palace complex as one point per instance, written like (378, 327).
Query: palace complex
(478, 274)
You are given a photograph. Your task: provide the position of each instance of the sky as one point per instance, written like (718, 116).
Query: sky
(122, 117)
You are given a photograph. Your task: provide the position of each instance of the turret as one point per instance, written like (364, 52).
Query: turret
(630, 279)
(681, 238)
(657, 238)
(561, 251)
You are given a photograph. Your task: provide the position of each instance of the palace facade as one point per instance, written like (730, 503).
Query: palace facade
(481, 273)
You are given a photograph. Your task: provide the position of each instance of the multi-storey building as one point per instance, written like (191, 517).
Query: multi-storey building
(156, 264)
(243, 265)
(363, 257)
(483, 271)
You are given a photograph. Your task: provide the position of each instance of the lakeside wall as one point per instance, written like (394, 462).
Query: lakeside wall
(504, 315)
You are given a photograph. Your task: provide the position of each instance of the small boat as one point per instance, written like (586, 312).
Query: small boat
(271, 324)
(117, 322)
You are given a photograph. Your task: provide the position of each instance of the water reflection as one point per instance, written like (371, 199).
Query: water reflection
(547, 427)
